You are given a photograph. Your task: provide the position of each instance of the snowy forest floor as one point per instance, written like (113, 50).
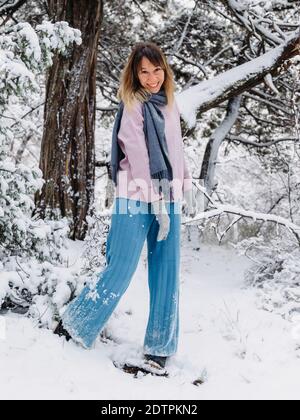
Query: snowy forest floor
(243, 351)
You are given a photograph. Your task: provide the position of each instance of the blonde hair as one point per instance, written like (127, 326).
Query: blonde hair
(130, 88)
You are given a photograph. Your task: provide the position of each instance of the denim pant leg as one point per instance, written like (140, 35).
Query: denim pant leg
(86, 316)
(164, 271)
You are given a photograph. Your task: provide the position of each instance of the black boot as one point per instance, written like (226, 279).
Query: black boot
(160, 360)
(62, 332)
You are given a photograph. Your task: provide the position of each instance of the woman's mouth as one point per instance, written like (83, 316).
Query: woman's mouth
(154, 86)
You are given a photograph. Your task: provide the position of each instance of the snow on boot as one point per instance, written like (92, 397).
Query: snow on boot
(135, 367)
(157, 360)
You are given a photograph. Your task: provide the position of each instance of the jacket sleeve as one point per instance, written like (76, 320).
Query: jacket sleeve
(131, 136)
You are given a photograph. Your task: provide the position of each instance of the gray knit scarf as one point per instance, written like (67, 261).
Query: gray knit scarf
(154, 129)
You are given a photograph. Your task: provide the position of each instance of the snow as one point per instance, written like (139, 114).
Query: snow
(5, 278)
(241, 350)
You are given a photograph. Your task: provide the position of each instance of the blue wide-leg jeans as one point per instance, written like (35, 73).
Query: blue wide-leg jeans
(132, 223)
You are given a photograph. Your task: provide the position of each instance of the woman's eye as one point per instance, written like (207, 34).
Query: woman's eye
(145, 72)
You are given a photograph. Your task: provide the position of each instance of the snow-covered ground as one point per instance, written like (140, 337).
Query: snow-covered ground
(241, 350)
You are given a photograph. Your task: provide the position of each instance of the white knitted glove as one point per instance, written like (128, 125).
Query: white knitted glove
(190, 205)
(160, 210)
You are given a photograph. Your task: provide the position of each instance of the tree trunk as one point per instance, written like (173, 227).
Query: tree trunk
(212, 149)
(68, 146)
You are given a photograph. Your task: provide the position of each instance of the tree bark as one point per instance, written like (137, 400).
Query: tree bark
(68, 146)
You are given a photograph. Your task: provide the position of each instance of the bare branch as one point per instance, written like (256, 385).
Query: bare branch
(261, 97)
(237, 139)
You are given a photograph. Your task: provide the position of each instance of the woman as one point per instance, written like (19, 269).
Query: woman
(151, 178)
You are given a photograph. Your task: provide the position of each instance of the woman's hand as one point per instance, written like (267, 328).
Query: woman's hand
(161, 213)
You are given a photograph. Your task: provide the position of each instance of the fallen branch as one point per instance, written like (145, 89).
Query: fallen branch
(217, 210)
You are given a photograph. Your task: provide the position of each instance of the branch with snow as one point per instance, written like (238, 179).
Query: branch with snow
(10, 7)
(210, 93)
(217, 210)
(256, 20)
(25, 51)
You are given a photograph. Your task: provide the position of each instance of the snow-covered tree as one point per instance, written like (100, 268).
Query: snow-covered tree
(25, 52)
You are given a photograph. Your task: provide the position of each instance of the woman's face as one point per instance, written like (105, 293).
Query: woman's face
(151, 77)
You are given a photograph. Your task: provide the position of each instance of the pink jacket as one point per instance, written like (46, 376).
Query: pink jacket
(134, 179)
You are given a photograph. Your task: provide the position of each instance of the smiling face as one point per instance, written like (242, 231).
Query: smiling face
(151, 77)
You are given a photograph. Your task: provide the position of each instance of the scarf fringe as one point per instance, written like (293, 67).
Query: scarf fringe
(162, 175)
(163, 186)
